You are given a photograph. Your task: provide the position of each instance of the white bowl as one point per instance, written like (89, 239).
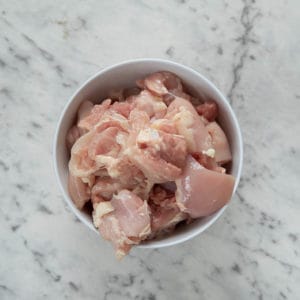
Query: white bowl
(124, 74)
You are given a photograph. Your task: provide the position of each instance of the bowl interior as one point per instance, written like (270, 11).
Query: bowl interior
(122, 76)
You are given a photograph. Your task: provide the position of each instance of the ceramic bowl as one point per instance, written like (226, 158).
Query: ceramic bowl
(124, 75)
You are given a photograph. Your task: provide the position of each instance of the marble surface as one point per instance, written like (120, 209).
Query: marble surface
(249, 49)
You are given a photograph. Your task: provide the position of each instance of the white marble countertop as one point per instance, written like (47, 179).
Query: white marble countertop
(249, 49)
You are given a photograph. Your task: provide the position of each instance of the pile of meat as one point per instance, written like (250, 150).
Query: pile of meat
(148, 158)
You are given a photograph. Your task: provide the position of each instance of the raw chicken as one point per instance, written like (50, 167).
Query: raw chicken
(93, 151)
(76, 132)
(95, 115)
(157, 154)
(169, 147)
(122, 108)
(72, 136)
(164, 84)
(201, 192)
(79, 191)
(152, 105)
(189, 125)
(80, 164)
(104, 143)
(132, 213)
(109, 228)
(148, 158)
(153, 167)
(146, 149)
(219, 143)
(125, 221)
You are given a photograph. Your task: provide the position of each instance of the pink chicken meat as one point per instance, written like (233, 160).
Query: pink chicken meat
(129, 150)
(201, 192)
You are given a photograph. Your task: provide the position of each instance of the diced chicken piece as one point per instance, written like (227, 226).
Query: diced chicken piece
(152, 105)
(107, 143)
(90, 120)
(104, 143)
(201, 192)
(169, 147)
(173, 149)
(80, 164)
(109, 228)
(133, 214)
(128, 223)
(122, 108)
(219, 143)
(72, 136)
(209, 110)
(189, 125)
(152, 166)
(164, 84)
(79, 191)
(76, 132)
(154, 83)
(93, 151)
(118, 165)
(148, 151)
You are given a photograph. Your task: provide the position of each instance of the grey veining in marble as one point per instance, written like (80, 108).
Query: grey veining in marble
(249, 49)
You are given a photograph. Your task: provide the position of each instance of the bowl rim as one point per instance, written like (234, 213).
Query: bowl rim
(189, 235)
